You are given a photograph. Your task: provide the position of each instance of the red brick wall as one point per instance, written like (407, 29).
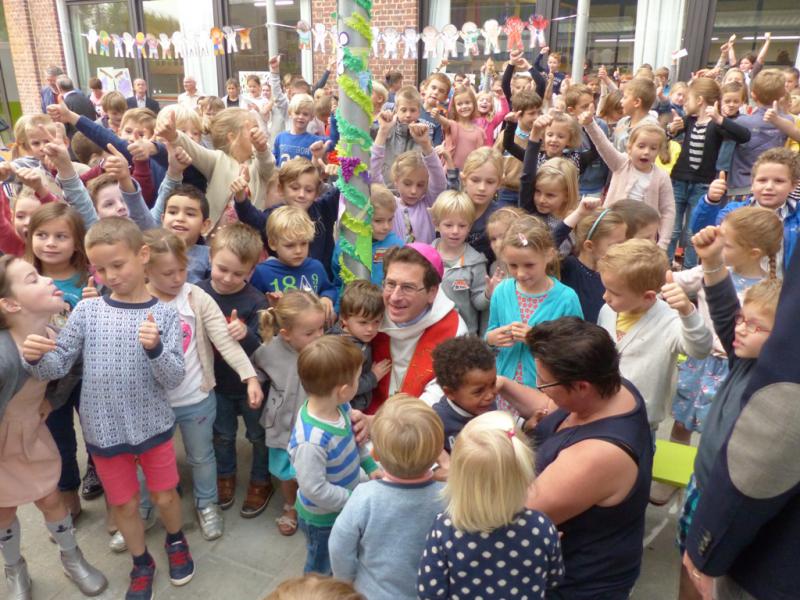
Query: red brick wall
(35, 42)
(385, 13)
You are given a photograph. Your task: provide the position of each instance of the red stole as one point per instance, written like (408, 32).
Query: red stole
(420, 369)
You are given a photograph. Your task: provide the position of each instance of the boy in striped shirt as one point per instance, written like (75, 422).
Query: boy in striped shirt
(322, 448)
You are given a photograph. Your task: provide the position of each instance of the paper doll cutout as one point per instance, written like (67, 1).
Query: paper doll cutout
(342, 41)
(105, 41)
(202, 44)
(376, 38)
(178, 44)
(491, 33)
(117, 41)
(244, 39)
(320, 35)
(304, 35)
(391, 38)
(218, 39)
(152, 46)
(91, 40)
(430, 40)
(141, 43)
(230, 39)
(513, 30)
(536, 25)
(166, 46)
(127, 38)
(450, 38)
(410, 39)
(469, 35)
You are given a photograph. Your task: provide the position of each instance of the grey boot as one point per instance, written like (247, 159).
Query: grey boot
(18, 581)
(89, 580)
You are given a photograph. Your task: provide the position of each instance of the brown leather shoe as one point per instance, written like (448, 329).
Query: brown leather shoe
(258, 495)
(226, 489)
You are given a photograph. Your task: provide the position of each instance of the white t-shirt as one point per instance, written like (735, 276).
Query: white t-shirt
(188, 392)
(639, 188)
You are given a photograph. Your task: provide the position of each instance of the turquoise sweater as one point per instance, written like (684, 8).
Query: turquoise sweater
(559, 302)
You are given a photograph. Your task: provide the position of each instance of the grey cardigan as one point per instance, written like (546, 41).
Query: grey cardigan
(276, 363)
(465, 285)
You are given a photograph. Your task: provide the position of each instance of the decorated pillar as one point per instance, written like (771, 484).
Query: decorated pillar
(353, 118)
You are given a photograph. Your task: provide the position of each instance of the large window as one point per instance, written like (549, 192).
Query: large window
(110, 17)
(612, 27)
(439, 13)
(246, 13)
(750, 21)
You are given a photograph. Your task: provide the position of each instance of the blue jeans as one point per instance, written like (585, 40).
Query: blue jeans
(318, 559)
(196, 424)
(687, 194)
(61, 424)
(229, 406)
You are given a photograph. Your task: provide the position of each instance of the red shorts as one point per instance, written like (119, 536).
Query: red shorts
(119, 478)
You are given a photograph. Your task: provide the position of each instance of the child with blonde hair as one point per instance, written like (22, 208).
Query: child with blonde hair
(237, 142)
(205, 329)
(297, 141)
(322, 448)
(290, 231)
(486, 535)
(297, 319)
(314, 586)
(418, 179)
(29, 459)
(752, 235)
(531, 295)
(464, 279)
(462, 132)
(650, 331)
(407, 438)
(480, 179)
(490, 116)
(384, 207)
(496, 227)
(634, 175)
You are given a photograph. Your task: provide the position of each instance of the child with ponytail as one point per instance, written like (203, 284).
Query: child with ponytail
(29, 459)
(531, 295)
(752, 236)
(296, 320)
(486, 536)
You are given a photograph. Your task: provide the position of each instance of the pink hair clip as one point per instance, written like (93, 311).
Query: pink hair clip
(511, 433)
(522, 239)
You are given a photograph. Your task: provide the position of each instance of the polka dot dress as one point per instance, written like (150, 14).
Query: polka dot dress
(519, 561)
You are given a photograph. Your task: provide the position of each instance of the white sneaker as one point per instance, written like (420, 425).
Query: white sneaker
(117, 543)
(211, 522)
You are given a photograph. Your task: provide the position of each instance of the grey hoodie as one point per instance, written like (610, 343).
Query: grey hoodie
(465, 284)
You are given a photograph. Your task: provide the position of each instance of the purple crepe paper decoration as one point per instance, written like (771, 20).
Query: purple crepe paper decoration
(348, 165)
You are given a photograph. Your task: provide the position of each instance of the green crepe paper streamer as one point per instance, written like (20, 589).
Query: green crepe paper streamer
(353, 91)
(345, 273)
(351, 134)
(367, 6)
(354, 62)
(358, 23)
(362, 251)
(355, 196)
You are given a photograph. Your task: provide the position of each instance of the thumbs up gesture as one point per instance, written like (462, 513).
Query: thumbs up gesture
(718, 188)
(259, 140)
(236, 328)
(166, 129)
(674, 295)
(712, 112)
(676, 124)
(90, 291)
(772, 114)
(149, 335)
(62, 114)
(708, 243)
(239, 186)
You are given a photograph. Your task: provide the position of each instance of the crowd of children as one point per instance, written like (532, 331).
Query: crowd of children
(183, 269)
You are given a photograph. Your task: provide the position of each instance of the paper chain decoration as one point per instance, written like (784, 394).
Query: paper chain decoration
(217, 41)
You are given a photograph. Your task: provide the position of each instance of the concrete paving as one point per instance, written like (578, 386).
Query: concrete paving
(251, 558)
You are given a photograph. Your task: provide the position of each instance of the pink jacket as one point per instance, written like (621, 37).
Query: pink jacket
(658, 195)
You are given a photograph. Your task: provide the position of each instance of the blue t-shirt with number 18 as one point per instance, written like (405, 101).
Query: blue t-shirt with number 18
(274, 276)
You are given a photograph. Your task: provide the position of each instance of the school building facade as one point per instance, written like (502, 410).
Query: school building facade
(621, 33)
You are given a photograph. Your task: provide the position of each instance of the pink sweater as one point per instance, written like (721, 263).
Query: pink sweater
(658, 194)
(489, 126)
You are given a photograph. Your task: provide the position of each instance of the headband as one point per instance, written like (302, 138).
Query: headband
(596, 223)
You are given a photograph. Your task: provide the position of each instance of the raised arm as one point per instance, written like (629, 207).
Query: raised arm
(527, 181)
